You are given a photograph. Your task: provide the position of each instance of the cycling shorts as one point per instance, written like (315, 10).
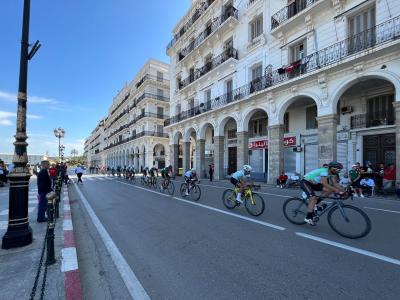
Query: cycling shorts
(310, 188)
(234, 181)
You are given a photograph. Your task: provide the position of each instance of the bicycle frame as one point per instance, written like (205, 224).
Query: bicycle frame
(248, 193)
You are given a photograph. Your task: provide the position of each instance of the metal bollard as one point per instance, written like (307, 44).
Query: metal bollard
(50, 228)
(58, 197)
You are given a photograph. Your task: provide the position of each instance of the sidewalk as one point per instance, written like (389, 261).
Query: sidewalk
(19, 266)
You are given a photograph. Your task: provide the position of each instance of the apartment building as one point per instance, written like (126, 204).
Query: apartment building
(134, 128)
(285, 85)
(94, 146)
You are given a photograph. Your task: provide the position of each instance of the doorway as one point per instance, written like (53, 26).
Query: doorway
(380, 148)
(232, 160)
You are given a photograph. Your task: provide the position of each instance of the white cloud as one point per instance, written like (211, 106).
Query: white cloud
(31, 99)
(7, 118)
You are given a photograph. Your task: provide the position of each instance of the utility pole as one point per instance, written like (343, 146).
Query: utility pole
(19, 233)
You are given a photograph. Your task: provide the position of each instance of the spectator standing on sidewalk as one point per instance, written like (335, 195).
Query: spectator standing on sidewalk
(53, 174)
(389, 178)
(211, 172)
(2, 173)
(44, 187)
(79, 173)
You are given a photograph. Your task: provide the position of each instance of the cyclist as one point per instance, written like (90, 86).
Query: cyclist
(237, 179)
(322, 179)
(165, 173)
(190, 177)
(152, 174)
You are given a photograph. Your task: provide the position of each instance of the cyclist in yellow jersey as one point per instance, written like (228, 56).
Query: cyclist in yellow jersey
(318, 180)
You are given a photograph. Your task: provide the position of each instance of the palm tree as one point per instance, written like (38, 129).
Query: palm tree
(74, 152)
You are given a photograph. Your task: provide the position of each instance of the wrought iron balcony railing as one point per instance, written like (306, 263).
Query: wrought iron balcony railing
(197, 14)
(380, 34)
(230, 12)
(136, 136)
(380, 118)
(153, 78)
(209, 66)
(290, 11)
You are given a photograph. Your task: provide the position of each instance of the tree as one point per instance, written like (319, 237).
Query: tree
(74, 152)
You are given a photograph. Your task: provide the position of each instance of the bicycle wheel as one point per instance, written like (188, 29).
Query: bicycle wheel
(255, 207)
(183, 189)
(349, 221)
(171, 188)
(195, 193)
(229, 199)
(295, 210)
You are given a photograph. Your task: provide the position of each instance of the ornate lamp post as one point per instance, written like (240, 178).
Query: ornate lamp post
(19, 233)
(59, 133)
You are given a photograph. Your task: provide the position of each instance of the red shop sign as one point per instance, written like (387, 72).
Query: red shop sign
(289, 141)
(258, 144)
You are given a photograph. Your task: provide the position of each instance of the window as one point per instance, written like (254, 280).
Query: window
(207, 95)
(229, 89)
(159, 128)
(142, 111)
(160, 76)
(380, 110)
(360, 35)
(160, 112)
(256, 72)
(311, 115)
(228, 44)
(256, 27)
(286, 123)
(232, 134)
(298, 51)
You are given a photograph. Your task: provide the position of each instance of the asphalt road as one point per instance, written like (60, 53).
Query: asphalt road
(180, 249)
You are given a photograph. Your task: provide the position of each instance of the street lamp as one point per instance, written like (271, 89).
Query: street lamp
(59, 133)
(19, 233)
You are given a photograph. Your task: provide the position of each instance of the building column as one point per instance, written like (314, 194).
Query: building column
(186, 156)
(174, 158)
(201, 157)
(242, 149)
(396, 105)
(327, 139)
(219, 157)
(275, 152)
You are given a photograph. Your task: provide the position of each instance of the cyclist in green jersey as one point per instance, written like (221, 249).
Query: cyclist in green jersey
(165, 173)
(320, 180)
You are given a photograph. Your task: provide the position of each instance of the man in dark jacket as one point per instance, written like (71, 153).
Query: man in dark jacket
(44, 187)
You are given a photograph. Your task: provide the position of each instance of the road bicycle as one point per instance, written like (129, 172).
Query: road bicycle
(194, 190)
(253, 202)
(168, 186)
(346, 220)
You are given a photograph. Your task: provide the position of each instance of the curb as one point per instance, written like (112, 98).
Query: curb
(69, 261)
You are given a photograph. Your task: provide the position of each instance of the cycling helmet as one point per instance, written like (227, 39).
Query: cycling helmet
(247, 169)
(335, 165)
(193, 170)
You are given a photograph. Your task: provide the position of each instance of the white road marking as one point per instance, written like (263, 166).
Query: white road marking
(386, 210)
(31, 209)
(132, 283)
(69, 260)
(212, 208)
(350, 248)
(67, 225)
(33, 202)
(67, 207)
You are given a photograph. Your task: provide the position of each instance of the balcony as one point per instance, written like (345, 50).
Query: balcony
(147, 115)
(153, 78)
(209, 66)
(380, 34)
(136, 136)
(149, 96)
(381, 118)
(185, 28)
(250, 3)
(290, 11)
(215, 25)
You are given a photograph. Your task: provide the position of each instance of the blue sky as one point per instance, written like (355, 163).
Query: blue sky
(90, 49)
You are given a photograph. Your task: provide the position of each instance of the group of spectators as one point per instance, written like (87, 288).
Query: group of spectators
(3, 173)
(366, 180)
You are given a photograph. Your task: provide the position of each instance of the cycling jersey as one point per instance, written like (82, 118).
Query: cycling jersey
(238, 175)
(315, 176)
(189, 174)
